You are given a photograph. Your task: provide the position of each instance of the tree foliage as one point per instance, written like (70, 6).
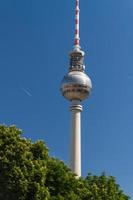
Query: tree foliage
(23, 166)
(104, 188)
(27, 172)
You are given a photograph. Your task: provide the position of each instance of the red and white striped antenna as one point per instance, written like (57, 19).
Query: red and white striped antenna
(76, 38)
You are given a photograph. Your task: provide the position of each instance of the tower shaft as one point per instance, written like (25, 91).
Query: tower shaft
(75, 162)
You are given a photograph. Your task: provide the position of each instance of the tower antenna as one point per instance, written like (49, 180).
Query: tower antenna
(77, 38)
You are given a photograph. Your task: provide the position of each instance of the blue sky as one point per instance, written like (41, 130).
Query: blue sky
(35, 39)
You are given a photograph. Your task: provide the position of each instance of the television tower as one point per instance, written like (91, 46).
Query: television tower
(76, 86)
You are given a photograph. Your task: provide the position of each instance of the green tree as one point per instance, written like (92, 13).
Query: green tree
(28, 173)
(62, 183)
(104, 188)
(22, 166)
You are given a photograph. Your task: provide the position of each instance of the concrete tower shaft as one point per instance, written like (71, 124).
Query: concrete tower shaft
(75, 149)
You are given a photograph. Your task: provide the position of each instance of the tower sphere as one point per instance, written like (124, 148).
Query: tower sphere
(76, 85)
